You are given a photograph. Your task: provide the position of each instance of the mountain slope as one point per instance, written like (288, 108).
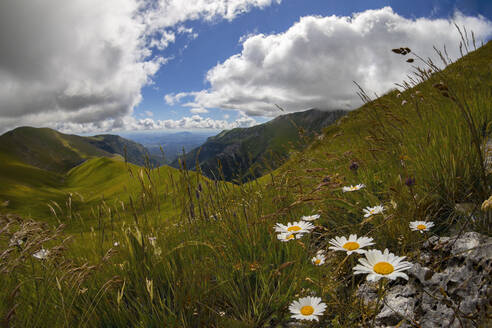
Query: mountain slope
(132, 151)
(51, 150)
(246, 153)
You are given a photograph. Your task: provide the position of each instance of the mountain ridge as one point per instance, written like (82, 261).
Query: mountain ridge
(54, 151)
(246, 153)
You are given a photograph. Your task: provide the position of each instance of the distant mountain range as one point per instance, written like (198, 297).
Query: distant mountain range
(172, 144)
(245, 153)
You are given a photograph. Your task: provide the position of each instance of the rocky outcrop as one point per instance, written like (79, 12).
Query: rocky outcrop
(449, 286)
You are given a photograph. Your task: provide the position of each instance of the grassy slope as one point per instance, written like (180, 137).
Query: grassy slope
(48, 149)
(29, 190)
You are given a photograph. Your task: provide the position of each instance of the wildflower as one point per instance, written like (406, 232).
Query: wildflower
(116, 244)
(41, 254)
(368, 211)
(320, 258)
(307, 308)
(310, 217)
(222, 313)
(421, 225)
(382, 265)
(296, 227)
(353, 188)
(288, 236)
(350, 245)
(403, 102)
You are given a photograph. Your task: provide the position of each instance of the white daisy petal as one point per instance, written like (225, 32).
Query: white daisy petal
(353, 188)
(421, 226)
(350, 245)
(300, 227)
(382, 265)
(307, 308)
(310, 217)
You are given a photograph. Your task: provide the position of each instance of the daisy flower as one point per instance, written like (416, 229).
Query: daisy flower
(310, 217)
(350, 245)
(368, 211)
(41, 254)
(353, 188)
(288, 236)
(296, 227)
(421, 225)
(307, 308)
(382, 265)
(320, 258)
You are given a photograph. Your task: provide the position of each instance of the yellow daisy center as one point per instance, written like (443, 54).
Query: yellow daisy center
(294, 228)
(383, 268)
(351, 245)
(289, 236)
(421, 227)
(317, 261)
(307, 310)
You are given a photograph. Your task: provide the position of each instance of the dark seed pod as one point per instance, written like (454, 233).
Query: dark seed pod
(410, 182)
(410, 60)
(354, 166)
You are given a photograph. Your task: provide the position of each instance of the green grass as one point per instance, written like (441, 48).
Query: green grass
(215, 260)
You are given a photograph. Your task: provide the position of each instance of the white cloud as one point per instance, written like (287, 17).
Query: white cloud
(314, 63)
(167, 13)
(149, 113)
(172, 98)
(86, 61)
(199, 110)
(167, 37)
(129, 123)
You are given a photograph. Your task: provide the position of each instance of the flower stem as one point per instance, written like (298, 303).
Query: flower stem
(380, 296)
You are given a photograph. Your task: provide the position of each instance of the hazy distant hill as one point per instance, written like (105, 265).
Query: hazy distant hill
(245, 153)
(172, 143)
(51, 150)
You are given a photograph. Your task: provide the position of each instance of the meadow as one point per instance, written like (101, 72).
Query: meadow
(134, 246)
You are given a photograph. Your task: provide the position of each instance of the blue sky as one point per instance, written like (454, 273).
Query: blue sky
(91, 66)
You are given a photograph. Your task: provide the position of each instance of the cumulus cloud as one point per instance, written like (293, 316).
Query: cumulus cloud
(86, 61)
(314, 63)
(130, 123)
(199, 110)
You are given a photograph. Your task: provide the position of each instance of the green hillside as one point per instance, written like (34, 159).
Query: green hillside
(34, 192)
(242, 154)
(51, 150)
(132, 151)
